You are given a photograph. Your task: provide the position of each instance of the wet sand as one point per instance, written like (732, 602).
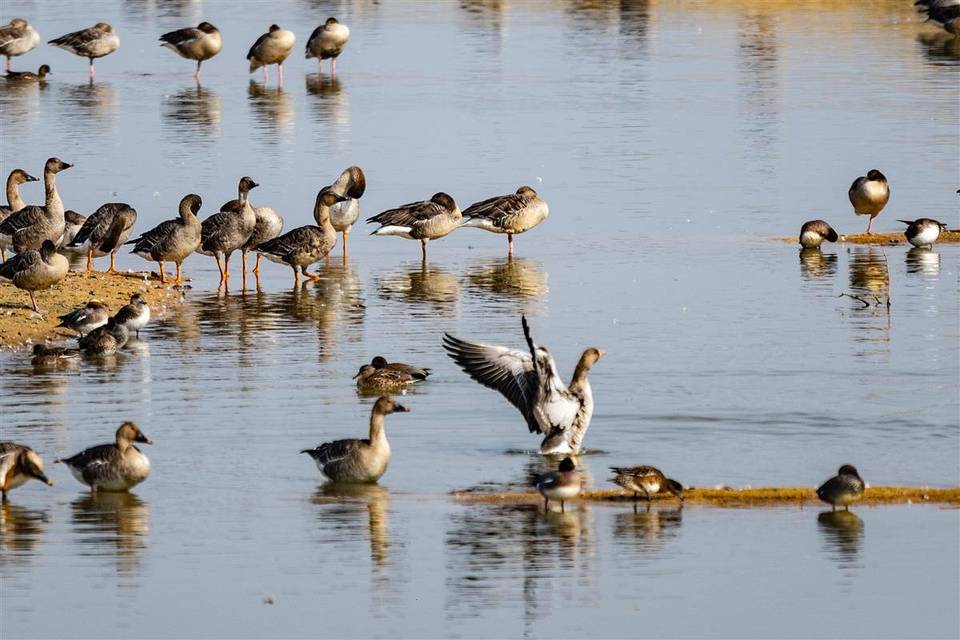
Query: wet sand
(951, 236)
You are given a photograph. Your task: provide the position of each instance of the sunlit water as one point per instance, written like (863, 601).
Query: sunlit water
(672, 141)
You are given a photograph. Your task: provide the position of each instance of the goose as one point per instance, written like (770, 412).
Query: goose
(16, 39)
(648, 480)
(19, 463)
(44, 355)
(94, 42)
(31, 225)
(814, 232)
(36, 270)
(72, 223)
(269, 225)
(869, 195)
(842, 489)
(510, 214)
(420, 373)
(306, 245)
(227, 231)
(172, 240)
(355, 460)
(529, 381)
(105, 340)
(14, 203)
(327, 42)
(85, 319)
(371, 379)
(194, 43)
(272, 47)
(29, 76)
(923, 232)
(112, 467)
(424, 221)
(352, 183)
(105, 231)
(135, 315)
(563, 484)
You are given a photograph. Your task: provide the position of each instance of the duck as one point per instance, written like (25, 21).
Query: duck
(227, 231)
(419, 373)
(105, 231)
(424, 221)
(563, 484)
(327, 42)
(529, 381)
(44, 355)
(646, 479)
(14, 203)
(112, 467)
(28, 76)
(269, 226)
(273, 47)
(354, 460)
(135, 315)
(371, 379)
(869, 195)
(194, 43)
(105, 340)
(814, 232)
(28, 227)
(19, 463)
(72, 223)
(36, 270)
(510, 214)
(172, 240)
(352, 183)
(944, 12)
(305, 245)
(842, 489)
(94, 42)
(923, 232)
(17, 38)
(85, 319)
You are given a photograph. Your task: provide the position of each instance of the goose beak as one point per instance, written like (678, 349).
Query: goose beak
(32, 179)
(602, 352)
(400, 408)
(66, 165)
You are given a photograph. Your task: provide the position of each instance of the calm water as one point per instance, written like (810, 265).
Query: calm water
(672, 140)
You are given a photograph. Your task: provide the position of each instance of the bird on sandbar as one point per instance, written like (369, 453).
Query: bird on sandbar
(869, 195)
(842, 489)
(563, 484)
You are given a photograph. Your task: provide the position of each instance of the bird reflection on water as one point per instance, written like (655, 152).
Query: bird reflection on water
(816, 265)
(88, 102)
(329, 104)
(114, 526)
(647, 530)
(508, 281)
(424, 284)
(21, 532)
(842, 535)
(922, 260)
(193, 111)
(273, 112)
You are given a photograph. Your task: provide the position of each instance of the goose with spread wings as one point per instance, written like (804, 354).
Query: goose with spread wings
(530, 382)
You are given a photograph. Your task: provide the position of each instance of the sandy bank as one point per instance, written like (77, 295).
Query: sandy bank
(951, 236)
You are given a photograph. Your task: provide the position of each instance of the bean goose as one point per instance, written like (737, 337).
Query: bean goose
(135, 315)
(105, 231)
(85, 319)
(529, 381)
(510, 214)
(35, 270)
(352, 183)
(112, 467)
(272, 47)
(14, 203)
(94, 42)
(648, 480)
(842, 489)
(563, 484)
(172, 240)
(105, 340)
(814, 232)
(227, 231)
(194, 43)
(269, 225)
(31, 225)
(29, 76)
(869, 195)
(19, 463)
(355, 460)
(424, 221)
(327, 42)
(923, 232)
(16, 39)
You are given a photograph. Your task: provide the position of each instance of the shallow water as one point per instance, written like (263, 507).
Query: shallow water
(672, 141)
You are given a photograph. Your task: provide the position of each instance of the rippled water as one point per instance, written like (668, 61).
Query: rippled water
(672, 140)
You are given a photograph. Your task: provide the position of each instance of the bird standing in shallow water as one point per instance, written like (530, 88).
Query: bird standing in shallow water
(563, 484)
(424, 221)
(172, 240)
(869, 195)
(112, 467)
(510, 214)
(105, 231)
(194, 43)
(842, 489)
(648, 480)
(95, 42)
(273, 47)
(16, 39)
(923, 232)
(327, 42)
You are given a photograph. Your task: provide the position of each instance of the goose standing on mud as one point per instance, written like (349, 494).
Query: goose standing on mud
(172, 240)
(31, 225)
(563, 484)
(530, 382)
(112, 467)
(227, 231)
(510, 214)
(16, 178)
(269, 225)
(648, 480)
(272, 47)
(327, 42)
(424, 221)
(19, 463)
(94, 42)
(351, 184)
(35, 270)
(356, 460)
(305, 245)
(16, 39)
(105, 231)
(842, 489)
(29, 76)
(869, 195)
(194, 43)
(105, 340)
(923, 232)
(814, 232)
(135, 315)
(85, 319)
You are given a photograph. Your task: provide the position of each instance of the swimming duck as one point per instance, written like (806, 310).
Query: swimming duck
(510, 214)
(269, 225)
(29, 76)
(869, 195)
(352, 183)
(372, 380)
(44, 355)
(424, 221)
(112, 467)
(648, 480)
(530, 382)
(272, 47)
(19, 463)
(842, 489)
(419, 373)
(227, 231)
(923, 232)
(194, 43)
(172, 240)
(105, 340)
(327, 42)
(563, 484)
(28, 227)
(135, 315)
(85, 319)
(94, 42)
(14, 203)
(306, 245)
(814, 232)
(356, 460)
(36, 270)
(72, 223)
(16, 39)
(105, 231)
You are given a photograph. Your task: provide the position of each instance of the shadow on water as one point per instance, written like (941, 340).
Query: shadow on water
(113, 526)
(193, 111)
(940, 49)
(509, 281)
(842, 535)
(273, 112)
(421, 284)
(647, 529)
(758, 89)
(21, 532)
(921, 260)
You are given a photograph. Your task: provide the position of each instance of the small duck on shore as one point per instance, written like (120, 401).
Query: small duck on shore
(869, 195)
(194, 43)
(814, 232)
(85, 319)
(105, 231)
(94, 42)
(35, 270)
(119, 466)
(648, 480)
(19, 463)
(923, 232)
(842, 489)
(563, 484)
(135, 315)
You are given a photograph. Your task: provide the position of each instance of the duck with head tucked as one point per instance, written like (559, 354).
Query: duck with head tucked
(17, 38)
(869, 195)
(19, 463)
(511, 214)
(172, 240)
(273, 47)
(814, 232)
(194, 43)
(327, 42)
(842, 489)
(351, 185)
(35, 270)
(105, 231)
(119, 466)
(44, 355)
(28, 227)
(94, 42)
(923, 232)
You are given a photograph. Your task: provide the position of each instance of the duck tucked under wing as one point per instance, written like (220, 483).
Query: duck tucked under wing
(408, 215)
